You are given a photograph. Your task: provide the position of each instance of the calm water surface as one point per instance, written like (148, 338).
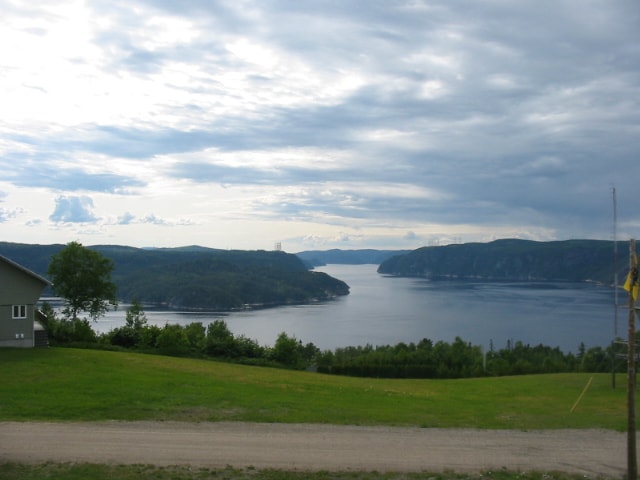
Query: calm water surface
(387, 310)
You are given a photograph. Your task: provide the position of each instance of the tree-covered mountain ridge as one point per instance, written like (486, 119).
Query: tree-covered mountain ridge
(199, 278)
(515, 260)
(318, 258)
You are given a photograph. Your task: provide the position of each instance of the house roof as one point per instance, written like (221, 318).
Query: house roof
(25, 270)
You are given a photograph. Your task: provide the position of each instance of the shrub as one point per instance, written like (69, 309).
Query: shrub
(173, 340)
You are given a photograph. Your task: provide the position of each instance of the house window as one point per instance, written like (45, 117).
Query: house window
(19, 311)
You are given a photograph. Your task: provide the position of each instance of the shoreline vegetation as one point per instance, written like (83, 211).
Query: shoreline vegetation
(513, 260)
(197, 278)
(424, 359)
(200, 278)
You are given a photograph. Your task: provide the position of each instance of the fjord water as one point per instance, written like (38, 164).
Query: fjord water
(382, 310)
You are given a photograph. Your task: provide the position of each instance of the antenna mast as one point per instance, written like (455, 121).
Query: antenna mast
(615, 263)
(615, 289)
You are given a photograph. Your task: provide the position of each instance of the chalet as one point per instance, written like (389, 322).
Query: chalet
(20, 290)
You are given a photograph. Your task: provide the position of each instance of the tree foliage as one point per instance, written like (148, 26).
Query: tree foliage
(460, 359)
(211, 283)
(82, 277)
(287, 350)
(199, 278)
(510, 259)
(65, 331)
(424, 359)
(132, 332)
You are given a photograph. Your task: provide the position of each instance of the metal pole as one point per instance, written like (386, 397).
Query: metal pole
(632, 461)
(615, 289)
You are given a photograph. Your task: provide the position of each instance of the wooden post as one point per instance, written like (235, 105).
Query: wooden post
(632, 461)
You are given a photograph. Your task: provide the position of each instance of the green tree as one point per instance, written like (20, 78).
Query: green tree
(82, 277)
(196, 334)
(287, 351)
(219, 341)
(136, 318)
(130, 335)
(62, 330)
(173, 340)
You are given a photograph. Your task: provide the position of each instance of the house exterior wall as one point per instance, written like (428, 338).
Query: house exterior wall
(16, 332)
(18, 287)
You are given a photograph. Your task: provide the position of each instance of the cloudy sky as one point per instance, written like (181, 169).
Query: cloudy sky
(318, 124)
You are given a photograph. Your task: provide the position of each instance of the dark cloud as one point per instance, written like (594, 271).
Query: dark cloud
(209, 172)
(144, 144)
(35, 173)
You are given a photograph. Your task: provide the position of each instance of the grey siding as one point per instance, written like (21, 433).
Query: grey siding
(18, 286)
(16, 332)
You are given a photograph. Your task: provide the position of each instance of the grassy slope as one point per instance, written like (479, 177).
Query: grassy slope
(77, 385)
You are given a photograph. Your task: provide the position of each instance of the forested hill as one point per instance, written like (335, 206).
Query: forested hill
(317, 258)
(198, 277)
(510, 259)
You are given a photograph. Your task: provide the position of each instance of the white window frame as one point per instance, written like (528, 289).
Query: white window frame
(19, 312)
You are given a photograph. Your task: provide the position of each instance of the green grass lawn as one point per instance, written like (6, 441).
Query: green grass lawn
(59, 384)
(149, 472)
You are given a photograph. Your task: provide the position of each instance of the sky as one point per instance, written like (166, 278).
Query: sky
(318, 124)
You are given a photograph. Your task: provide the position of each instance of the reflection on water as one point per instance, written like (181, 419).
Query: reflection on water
(387, 310)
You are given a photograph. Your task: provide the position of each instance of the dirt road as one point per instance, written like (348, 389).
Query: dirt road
(315, 447)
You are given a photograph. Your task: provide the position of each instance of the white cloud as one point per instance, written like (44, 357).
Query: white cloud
(152, 218)
(73, 209)
(322, 121)
(6, 214)
(125, 219)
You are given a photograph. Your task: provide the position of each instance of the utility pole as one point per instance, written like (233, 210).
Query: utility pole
(632, 280)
